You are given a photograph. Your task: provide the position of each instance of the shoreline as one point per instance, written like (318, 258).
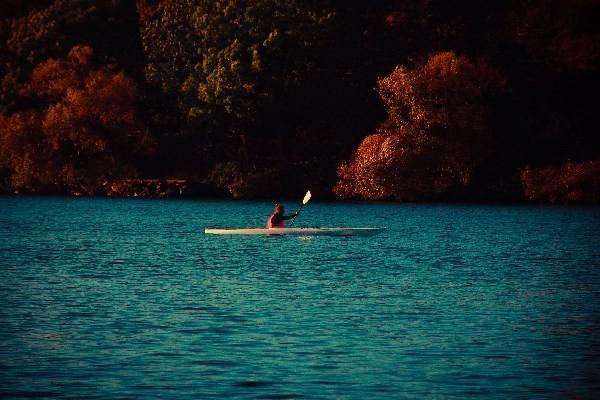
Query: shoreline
(206, 197)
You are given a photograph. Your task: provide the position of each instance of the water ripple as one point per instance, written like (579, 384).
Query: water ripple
(106, 299)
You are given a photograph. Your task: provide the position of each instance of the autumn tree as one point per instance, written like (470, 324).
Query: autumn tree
(435, 135)
(32, 32)
(84, 132)
(562, 34)
(25, 42)
(568, 183)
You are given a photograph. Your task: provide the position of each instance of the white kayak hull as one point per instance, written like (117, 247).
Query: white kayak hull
(297, 231)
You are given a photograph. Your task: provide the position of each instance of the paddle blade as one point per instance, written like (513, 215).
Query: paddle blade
(306, 197)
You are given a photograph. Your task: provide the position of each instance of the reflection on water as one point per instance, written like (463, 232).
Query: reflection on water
(127, 298)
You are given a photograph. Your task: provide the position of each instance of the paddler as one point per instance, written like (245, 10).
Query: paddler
(277, 219)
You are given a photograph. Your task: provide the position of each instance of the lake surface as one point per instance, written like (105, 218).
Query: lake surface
(105, 298)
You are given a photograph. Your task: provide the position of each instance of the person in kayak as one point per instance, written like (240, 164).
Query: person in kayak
(277, 219)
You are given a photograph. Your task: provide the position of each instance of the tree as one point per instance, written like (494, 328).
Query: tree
(569, 183)
(562, 34)
(85, 131)
(233, 67)
(32, 32)
(435, 135)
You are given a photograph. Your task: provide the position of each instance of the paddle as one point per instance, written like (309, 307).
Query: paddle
(304, 201)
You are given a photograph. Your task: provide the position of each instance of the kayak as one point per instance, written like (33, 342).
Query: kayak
(297, 231)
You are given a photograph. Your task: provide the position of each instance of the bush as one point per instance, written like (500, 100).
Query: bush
(252, 184)
(569, 183)
(435, 135)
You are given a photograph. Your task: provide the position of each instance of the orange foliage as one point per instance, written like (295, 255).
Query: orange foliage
(53, 78)
(402, 166)
(148, 8)
(80, 56)
(22, 150)
(394, 19)
(435, 135)
(569, 183)
(445, 95)
(560, 33)
(89, 133)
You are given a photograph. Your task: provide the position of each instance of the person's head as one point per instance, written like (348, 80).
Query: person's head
(278, 208)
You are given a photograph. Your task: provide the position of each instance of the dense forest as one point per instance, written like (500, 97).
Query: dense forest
(405, 100)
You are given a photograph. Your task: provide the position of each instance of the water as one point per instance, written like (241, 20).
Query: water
(104, 298)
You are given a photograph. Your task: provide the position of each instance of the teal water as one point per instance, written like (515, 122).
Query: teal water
(104, 298)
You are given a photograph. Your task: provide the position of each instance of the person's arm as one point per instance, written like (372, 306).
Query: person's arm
(286, 217)
(277, 218)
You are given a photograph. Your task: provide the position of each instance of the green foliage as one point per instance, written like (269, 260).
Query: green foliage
(230, 62)
(234, 68)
